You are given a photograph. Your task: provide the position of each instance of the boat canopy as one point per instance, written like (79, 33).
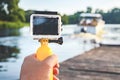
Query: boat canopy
(90, 19)
(91, 15)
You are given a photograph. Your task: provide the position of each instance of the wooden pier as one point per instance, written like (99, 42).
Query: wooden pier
(101, 63)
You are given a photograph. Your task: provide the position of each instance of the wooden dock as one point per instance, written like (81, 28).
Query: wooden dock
(101, 63)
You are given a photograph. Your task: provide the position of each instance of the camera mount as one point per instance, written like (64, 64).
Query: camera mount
(59, 41)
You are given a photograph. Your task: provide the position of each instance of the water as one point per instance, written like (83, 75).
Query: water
(112, 34)
(13, 49)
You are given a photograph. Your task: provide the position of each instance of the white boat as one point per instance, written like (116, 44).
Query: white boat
(90, 26)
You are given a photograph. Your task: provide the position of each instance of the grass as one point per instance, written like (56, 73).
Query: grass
(26, 24)
(6, 24)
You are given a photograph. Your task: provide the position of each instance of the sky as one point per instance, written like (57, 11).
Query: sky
(68, 6)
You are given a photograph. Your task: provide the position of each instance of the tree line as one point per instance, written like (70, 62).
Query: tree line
(111, 17)
(10, 12)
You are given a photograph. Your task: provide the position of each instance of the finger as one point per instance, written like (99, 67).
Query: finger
(31, 56)
(51, 61)
(57, 65)
(32, 59)
(55, 71)
(55, 78)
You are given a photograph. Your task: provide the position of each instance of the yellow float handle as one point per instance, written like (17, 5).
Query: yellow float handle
(43, 52)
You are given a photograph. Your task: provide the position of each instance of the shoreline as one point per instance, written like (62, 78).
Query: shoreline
(102, 63)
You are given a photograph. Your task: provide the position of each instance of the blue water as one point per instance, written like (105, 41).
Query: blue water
(21, 46)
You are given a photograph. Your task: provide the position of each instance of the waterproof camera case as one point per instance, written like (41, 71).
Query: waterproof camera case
(45, 26)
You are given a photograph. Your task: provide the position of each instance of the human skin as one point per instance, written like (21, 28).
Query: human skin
(33, 69)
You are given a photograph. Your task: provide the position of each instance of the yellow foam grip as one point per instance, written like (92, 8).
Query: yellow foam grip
(43, 52)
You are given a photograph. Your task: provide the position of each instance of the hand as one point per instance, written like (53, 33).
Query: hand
(33, 69)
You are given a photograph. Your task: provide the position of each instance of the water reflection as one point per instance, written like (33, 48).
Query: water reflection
(2, 68)
(12, 47)
(9, 32)
(8, 52)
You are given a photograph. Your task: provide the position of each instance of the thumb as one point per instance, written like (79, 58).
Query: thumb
(51, 61)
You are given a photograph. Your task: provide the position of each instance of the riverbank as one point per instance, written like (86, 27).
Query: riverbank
(12, 25)
(11, 28)
(101, 63)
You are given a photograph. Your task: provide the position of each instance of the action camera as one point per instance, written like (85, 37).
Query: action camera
(45, 26)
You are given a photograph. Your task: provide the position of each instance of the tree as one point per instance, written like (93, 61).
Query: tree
(89, 10)
(3, 13)
(28, 14)
(99, 11)
(65, 19)
(112, 16)
(115, 15)
(10, 11)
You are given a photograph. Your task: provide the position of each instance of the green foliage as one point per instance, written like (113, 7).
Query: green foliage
(65, 19)
(89, 10)
(99, 11)
(4, 24)
(110, 17)
(27, 15)
(12, 12)
(71, 19)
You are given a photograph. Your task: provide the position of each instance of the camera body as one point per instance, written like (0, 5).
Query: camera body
(45, 26)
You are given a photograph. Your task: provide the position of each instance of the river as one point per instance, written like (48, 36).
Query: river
(13, 49)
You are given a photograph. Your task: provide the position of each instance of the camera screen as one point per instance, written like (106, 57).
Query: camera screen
(45, 25)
